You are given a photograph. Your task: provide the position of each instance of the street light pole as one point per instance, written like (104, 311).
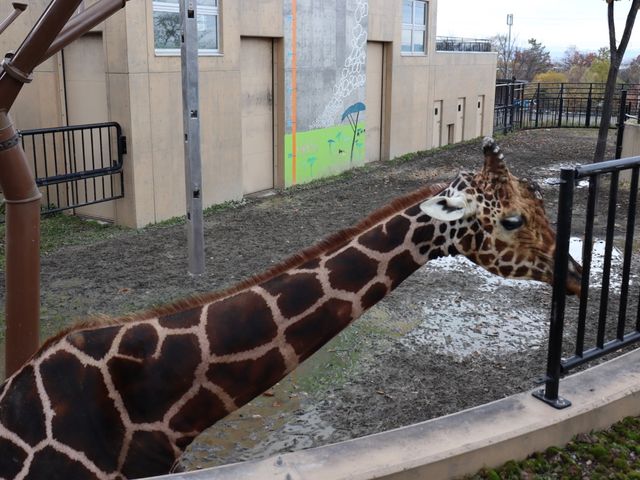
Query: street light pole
(510, 23)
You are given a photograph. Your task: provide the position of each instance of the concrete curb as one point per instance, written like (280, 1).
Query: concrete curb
(461, 443)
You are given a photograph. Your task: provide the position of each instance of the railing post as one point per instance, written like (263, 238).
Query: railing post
(561, 106)
(621, 120)
(537, 105)
(587, 122)
(549, 394)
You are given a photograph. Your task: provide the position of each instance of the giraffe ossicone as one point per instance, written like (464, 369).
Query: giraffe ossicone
(124, 398)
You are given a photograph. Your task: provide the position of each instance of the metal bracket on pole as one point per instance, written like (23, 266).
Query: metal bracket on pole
(191, 122)
(18, 8)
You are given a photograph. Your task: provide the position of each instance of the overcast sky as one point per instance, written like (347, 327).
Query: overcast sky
(557, 24)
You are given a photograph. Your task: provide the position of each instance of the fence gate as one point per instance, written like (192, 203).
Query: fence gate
(607, 317)
(76, 166)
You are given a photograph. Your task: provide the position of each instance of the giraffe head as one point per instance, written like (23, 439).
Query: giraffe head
(498, 221)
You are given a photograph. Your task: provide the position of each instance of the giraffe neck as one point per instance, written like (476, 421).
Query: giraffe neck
(128, 398)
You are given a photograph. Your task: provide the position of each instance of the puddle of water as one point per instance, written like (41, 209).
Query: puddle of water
(476, 322)
(597, 264)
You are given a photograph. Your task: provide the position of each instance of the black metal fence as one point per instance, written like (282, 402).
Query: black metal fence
(521, 105)
(457, 44)
(76, 166)
(607, 316)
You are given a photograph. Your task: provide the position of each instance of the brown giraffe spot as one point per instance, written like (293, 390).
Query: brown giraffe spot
(203, 410)
(150, 454)
(246, 379)
(439, 240)
(95, 343)
(505, 270)
(413, 211)
(184, 319)
(507, 256)
(24, 414)
(423, 234)
(296, 293)
(150, 387)
(12, 458)
(351, 270)
(401, 266)
(85, 417)
(313, 331)
(442, 228)
(375, 293)
(433, 254)
(239, 323)
(388, 238)
(311, 264)
(139, 341)
(486, 258)
(500, 245)
(465, 243)
(522, 271)
(52, 465)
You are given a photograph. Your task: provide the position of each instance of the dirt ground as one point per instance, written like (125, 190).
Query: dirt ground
(451, 337)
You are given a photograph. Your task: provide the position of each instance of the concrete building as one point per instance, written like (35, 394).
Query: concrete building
(290, 91)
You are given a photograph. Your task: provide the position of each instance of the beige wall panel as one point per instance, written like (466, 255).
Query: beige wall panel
(38, 105)
(119, 105)
(262, 18)
(257, 114)
(381, 20)
(137, 19)
(167, 144)
(115, 39)
(409, 107)
(139, 176)
(221, 134)
(86, 93)
(374, 101)
(466, 75)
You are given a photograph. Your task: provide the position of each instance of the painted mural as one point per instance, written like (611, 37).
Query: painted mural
(325, 79)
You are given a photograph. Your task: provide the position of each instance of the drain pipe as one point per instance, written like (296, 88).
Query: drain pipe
(22, 245)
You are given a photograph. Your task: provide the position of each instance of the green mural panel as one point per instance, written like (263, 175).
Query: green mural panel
(324, 152)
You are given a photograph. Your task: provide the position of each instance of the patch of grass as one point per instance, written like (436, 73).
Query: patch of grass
(613, 454)
(61, 230)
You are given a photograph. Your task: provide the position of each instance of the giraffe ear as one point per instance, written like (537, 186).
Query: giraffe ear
(446, 208)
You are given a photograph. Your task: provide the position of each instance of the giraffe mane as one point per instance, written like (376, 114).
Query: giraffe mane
(329, 243)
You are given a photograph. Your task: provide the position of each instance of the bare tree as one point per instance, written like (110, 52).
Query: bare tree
(506, 52)
(616, 52)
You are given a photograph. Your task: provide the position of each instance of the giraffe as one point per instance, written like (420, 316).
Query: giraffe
(123, 398)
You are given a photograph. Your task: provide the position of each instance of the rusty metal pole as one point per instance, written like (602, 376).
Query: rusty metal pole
(22, 216)
(18, 8)
(22, 197)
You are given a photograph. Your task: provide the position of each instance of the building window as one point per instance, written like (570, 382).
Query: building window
(166, 27)
(414, 27)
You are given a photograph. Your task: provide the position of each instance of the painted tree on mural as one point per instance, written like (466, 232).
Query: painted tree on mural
(349, 113)
(616, 53)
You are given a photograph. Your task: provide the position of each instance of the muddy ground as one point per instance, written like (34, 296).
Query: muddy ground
(451, 337)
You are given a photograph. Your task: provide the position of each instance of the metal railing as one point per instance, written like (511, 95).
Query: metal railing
(603, 321)
(458, 44)
(521, 105)
(76, 166)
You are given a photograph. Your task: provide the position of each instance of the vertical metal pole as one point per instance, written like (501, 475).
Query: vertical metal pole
(587, 122)
(554, 359)
(191, 122)
(537, 105)
(621, 120)
(561, 106)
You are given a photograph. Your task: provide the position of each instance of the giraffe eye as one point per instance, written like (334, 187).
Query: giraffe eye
(513, 222)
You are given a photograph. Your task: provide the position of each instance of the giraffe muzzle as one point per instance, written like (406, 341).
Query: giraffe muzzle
(574, 278)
